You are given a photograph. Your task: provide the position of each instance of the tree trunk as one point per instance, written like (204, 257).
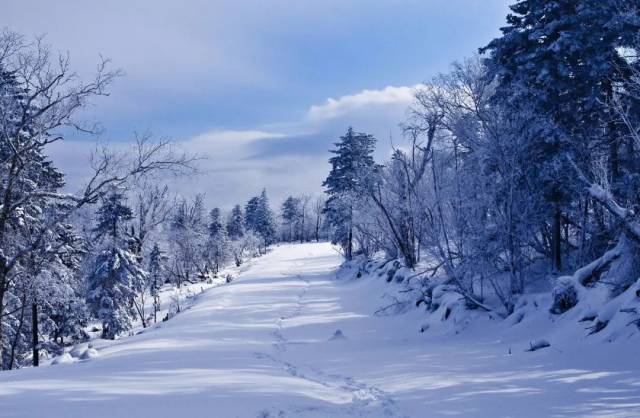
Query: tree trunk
(34, 333)
(1, 327)
(14, 343)
(557, 239)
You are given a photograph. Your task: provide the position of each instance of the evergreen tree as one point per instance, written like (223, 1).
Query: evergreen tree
(112, 216)
(32, 276)
(215, 222)
(235, 223)
(250, 214)
(291, 215)
(556, 66)
(352, 168)
(157, 276)
(218, 247)
(62, 311)
(116, 276)
(218, 250)
(265, 220)
(259, 218)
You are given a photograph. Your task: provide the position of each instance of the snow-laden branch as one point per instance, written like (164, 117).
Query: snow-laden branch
(606, 199)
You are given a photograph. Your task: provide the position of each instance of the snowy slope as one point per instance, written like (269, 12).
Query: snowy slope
(267, 346)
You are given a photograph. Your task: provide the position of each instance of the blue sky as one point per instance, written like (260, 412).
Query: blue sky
(263, 88)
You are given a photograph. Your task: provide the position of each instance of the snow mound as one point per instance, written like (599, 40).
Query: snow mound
(78, 350)
(538, 345)
(65, 358)
(89, 354)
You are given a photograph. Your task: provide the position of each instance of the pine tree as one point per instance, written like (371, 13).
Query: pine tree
(29, 242)
(157, 276)
(62, 311)
(250, 214)
(218, 246)
(290, 215)
(215, 222)
(260, 219)
(112, 215)
(235, 223)
(557, 64)
(116, 277)
(265, 220)
(352, 169)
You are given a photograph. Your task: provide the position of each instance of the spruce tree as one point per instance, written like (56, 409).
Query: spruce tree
(556, 65)
(116, 276)
(215, 222)
(265, 220)
(250, 214)
(218, 245)
(352, 168)
(235, 223)
(260, 219)
(290, 215)
(157, 276)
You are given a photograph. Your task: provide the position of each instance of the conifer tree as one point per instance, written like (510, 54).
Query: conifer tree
(215, 222)
(116, 276)
(218, 246)
(290, 215)
(250, 214)
(260, 219)
(265, 220)
(557, 63)
(352, 168)
(235, 223)
(157, 272)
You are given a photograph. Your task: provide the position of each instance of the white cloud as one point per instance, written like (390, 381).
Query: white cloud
(240, 162)
(333, 108)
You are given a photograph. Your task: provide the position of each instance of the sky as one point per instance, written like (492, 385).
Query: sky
(261, 88)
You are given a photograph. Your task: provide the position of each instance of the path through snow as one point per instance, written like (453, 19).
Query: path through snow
(262, 347)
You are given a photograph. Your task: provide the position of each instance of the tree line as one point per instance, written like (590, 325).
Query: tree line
(520, 162)
(98, 259)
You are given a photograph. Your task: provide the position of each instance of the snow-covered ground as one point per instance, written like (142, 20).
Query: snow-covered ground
(287, 339)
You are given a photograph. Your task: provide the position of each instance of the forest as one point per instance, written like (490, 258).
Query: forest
(521, 168)
(513, 197)
(101, 256)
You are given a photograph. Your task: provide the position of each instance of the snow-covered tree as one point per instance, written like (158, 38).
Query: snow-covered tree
(157, 276)
(260, 219)
(187, 239)
(116, 277)
(557, 62)
(290, 214)
(235, 223)
(352, 167)
(40, 99)
(218, 250)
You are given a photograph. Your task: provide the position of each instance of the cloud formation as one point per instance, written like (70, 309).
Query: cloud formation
(287, 158)
(235, 80)
(342, 106)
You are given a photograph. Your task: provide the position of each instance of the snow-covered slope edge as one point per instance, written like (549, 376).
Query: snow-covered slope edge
(172, 301)
(595, 315)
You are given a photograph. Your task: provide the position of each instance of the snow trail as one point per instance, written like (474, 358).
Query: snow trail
(263, 346)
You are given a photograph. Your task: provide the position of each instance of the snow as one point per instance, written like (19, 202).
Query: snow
(264, 346)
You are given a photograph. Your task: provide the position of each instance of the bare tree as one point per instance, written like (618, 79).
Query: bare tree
(50, 96)
(318, 211)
